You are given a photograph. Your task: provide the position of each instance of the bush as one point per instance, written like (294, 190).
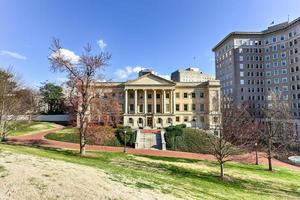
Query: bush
(130, 135)
(102, 135)
(179, 138)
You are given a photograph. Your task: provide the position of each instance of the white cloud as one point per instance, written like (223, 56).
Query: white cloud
(12, 54)
(101, 44)
(130, 70)
(66, 55)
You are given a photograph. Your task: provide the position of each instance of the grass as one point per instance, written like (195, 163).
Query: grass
(68, 134)
(25, 127)
(183, 178)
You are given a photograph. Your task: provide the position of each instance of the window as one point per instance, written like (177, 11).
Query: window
(201, 95)
(241, 66)
(275, 72)
(193, 106)
(283, 63)
(185, 107)
(274, 48)
(283, 71)
(177, 95)
(282, 37)
(177, 119)
(275, 56)
(149, 109)
(242, 82)
(185, 95)
(202, 107)
(284, 80)
(193, 95)
(167, 95)
(186, 118)
(149, 96)
(158, 108)
(274, 39)
(283, 55)
(241, 74)
(276, 80)
(131, 107)
(177, 107)
(167, 107)
(268, 73)
(241, 58)
(158, 96)
(275, 64)
(141, 108)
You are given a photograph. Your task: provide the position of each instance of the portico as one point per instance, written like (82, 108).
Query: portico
(149, 102)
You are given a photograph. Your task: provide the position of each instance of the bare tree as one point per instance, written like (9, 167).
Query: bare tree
(276, 127)
(11, 102)
(236, 131)
(82, 71)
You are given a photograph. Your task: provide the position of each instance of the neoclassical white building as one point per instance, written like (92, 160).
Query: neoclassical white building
(153, 102)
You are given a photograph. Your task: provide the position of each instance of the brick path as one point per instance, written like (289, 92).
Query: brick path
(37, 138)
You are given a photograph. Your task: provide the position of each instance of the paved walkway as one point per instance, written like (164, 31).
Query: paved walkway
(37, 138)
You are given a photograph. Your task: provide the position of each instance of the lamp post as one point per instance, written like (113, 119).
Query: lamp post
(256, 156)
(125, 149)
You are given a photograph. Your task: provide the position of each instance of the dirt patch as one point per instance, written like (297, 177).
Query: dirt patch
(31, 177)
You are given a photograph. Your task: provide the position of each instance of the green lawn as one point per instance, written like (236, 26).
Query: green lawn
(184, 178)
(68, 134)
(25, 127)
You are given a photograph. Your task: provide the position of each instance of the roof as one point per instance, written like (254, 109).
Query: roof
(270, 29)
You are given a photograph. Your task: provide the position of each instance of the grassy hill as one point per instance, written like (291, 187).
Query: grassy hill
(181, 178)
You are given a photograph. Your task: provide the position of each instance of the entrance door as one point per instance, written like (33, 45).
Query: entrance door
(149, 122)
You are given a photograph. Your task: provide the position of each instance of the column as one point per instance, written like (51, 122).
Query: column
(145, 101)
(163, 101)
(173, 101)
(126, 101)
(154, 101)
(135, 102)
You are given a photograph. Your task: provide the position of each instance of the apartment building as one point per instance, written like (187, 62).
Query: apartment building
(191, 74)
(250, 65)
(151, 101)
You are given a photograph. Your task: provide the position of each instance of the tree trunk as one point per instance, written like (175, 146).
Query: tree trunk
(270, 163)
(82, 144)
(222, 170)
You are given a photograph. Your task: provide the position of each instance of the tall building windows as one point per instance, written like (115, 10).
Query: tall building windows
(274, 39)
(241, 66)
(275, 72)
(241, 58)
(283, 71)
(242, 82)
(276, 80)
(284, 80)
(283, 63)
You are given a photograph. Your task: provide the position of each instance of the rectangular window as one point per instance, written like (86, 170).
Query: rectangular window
(177, 107)
(284, 80)
(149, 108)
(241, 74)
(185, 95)
(276, 80)
(283, 71)
(186, 118)
(202, 107)
(177, 95)
(241, 58)
(158, 108)
(141, 108)
(193, 95)
(167, 95)
(201, 95)
(275, 72)
(158, 96)
(193, 106)
(167, 107)
(149, 96)
(283, 63)
(242, 82)
(131, 107)
(185, 107)
(177, 119)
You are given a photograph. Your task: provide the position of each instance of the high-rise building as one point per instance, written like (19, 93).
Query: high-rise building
(191, 74)
(250, 65)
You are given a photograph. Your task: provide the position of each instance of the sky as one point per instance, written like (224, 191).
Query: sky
(162, 35)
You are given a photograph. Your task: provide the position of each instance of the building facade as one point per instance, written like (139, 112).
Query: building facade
(250, 65)
(153, 102)
(191, 74)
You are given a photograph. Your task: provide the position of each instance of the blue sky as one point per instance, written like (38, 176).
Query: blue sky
(163, 35)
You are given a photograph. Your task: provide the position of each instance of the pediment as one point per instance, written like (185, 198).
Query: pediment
(150, 79)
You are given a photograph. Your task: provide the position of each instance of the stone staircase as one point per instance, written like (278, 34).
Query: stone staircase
(150, 139)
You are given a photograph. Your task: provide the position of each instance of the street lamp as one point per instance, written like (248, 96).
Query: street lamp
(125, 149)
(256, 156)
